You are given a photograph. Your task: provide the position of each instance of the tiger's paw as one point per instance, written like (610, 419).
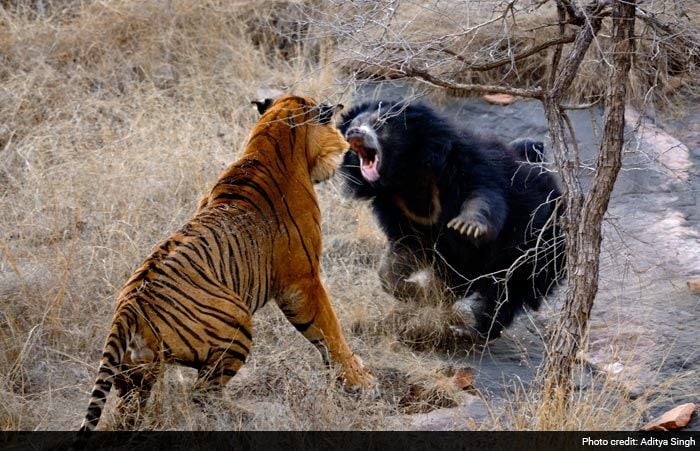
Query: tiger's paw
(358, 380)
(368, 389)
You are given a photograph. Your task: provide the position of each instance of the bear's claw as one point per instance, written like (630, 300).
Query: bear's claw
(469, 228)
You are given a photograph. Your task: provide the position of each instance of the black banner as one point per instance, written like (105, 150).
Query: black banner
(379, 441)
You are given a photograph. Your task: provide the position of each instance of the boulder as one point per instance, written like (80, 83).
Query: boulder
(499, 99)
(694, 286)
(676, 418)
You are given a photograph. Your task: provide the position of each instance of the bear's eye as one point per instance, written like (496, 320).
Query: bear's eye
(377, 120)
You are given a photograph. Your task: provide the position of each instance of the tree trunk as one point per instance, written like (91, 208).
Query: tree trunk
(584, 217)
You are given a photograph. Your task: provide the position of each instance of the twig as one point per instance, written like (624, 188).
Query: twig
(533, 93)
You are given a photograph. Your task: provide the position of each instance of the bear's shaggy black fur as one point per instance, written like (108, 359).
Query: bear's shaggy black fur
(473, 207)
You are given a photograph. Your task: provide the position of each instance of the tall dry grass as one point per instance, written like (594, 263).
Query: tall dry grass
(114, 118)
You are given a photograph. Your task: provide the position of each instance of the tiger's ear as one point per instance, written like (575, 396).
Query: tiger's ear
(262, 105)
(326, 112)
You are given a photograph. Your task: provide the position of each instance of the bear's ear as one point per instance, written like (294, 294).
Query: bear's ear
(326, 112)
(262, 105)
(528, 149)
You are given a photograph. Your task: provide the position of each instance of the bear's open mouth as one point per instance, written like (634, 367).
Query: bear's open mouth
(366, 154)
(369, 158)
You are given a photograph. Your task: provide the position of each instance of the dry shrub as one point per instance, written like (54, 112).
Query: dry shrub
(601, 401)
(459, 41)
(422, 327)
(419, 392)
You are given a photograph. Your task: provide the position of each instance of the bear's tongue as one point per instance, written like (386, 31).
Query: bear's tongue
(369, 169)
(368, 159)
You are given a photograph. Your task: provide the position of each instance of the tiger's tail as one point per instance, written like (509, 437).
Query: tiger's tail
(120, 335)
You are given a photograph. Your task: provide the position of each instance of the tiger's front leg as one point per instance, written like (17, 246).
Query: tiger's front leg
(308, 308)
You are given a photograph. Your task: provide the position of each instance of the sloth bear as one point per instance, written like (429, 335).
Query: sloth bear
(474, 209)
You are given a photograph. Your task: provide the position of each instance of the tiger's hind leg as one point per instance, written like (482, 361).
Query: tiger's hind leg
(308, 308)
(223, 362)
(213, 376)
(133, 385)
(138, 373)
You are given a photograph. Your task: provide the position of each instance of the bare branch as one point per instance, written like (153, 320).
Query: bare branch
(509, 60)
(573, 61)
(556, 57)
(575, 16)
(581, 106)
(533, 93)
(689, 41)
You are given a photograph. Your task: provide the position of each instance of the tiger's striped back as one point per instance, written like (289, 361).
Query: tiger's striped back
(255, 236)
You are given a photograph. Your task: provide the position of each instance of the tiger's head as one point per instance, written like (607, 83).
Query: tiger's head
(324, 143)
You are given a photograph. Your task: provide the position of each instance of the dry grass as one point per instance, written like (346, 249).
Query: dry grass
(602, 401)
(114, 118)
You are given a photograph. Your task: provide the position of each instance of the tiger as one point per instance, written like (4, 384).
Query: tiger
(255, 236)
